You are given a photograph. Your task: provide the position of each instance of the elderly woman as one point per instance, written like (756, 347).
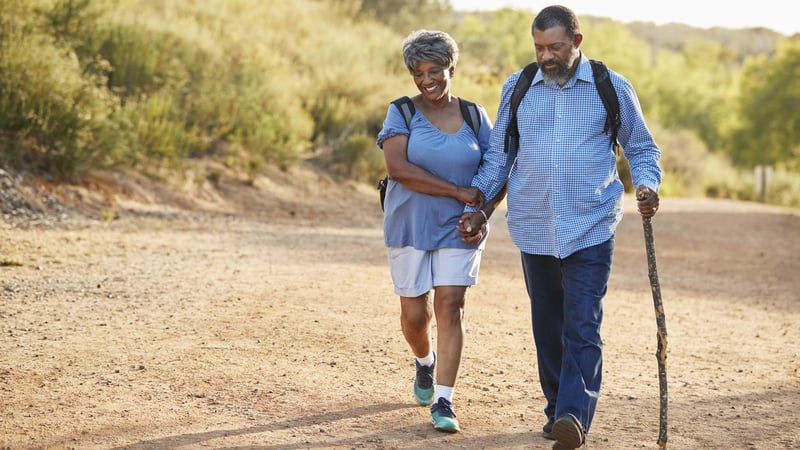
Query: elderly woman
(431, 162)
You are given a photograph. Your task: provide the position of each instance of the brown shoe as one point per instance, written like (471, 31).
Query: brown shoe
(568, 433)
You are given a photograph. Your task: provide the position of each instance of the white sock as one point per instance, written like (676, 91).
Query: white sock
(428, 360)
(445, 392)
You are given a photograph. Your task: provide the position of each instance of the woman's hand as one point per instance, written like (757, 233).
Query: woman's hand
(470, 195)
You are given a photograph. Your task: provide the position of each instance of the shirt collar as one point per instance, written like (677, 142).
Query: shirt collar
(584, 72)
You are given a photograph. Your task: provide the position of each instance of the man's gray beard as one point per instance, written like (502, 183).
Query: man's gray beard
(559, 78)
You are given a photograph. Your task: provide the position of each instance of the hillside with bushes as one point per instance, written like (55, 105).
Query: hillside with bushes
(245, 86)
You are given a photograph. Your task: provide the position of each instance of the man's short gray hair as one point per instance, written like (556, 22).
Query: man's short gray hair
(557, 16)
(431, 46)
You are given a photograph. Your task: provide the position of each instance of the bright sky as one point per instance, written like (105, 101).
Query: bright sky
(772, 14)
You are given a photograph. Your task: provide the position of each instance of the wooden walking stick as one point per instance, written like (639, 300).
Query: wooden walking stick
(661, 351)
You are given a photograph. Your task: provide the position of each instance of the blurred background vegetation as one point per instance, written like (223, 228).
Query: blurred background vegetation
(99, 84)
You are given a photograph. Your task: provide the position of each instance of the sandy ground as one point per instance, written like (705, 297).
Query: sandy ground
(262, 316)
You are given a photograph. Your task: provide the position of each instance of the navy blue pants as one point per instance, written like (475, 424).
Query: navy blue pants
(566, 312)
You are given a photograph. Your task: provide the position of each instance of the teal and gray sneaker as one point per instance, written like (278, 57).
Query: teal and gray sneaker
(443, 417)
(423, 383)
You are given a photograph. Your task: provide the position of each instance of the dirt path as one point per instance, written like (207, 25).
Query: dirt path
(278, 329)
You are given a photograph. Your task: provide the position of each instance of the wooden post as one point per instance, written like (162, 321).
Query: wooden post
(763, 178)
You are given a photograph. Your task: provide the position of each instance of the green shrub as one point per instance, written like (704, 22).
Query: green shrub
(684, 161)
(722, 180)
(53, 118)
(359, 157)
(784, 189)
(154, 129)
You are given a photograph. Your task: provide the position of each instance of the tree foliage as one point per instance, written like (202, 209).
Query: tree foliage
(99, 83)
(404, 16)
(769, 128)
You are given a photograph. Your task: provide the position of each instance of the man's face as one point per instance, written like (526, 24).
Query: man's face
(556, 53)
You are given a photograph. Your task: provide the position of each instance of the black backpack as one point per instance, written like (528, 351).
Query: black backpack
(406, 106)
(604, 87)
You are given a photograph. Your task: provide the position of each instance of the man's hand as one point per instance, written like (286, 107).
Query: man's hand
(646, 201)
(472, 227)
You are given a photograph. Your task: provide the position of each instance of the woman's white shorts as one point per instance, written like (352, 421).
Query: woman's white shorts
(415, 272)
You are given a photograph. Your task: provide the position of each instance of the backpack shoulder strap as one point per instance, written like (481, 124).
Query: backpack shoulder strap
(520, 89)
(471, 115)
(610, 100)
(469, 111)
(406, 107)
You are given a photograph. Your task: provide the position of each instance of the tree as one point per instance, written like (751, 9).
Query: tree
(769, 131)
(405, 16)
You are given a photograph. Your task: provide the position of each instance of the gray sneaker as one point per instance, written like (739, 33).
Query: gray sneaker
(423, 383)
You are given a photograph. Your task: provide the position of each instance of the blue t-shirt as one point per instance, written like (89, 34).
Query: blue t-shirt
(428, 222)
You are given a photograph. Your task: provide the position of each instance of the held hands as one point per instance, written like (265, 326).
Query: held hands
(646, 201)
(472, 226)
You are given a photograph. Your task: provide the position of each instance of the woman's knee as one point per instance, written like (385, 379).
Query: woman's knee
(449, 304)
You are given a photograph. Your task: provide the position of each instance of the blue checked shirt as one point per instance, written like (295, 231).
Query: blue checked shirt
(564, 193)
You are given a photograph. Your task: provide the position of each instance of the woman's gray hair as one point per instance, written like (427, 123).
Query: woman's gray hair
(432, 46)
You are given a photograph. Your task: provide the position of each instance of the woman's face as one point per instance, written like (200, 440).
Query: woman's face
(432, 79)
